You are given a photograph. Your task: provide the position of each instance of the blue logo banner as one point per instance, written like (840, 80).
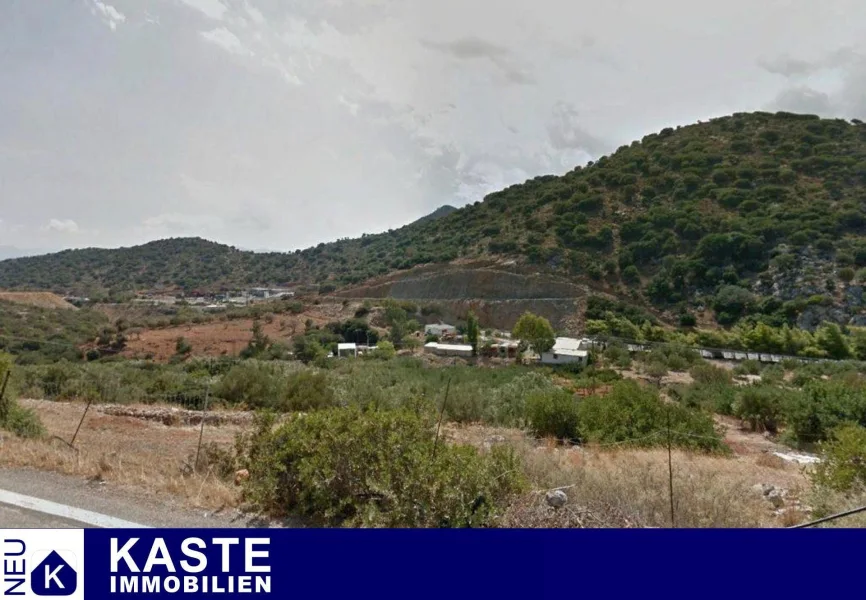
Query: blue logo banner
(476, 564)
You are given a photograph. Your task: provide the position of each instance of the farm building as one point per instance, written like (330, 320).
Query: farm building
(440, 329)
(566, 351)
(347, 350)
(448, 349)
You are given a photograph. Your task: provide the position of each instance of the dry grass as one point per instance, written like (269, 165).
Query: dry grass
(629, 488)
(149, 456)
(605, 488)
(826, 503)
(770, 461)
(38, 299)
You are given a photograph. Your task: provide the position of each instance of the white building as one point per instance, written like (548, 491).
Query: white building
(448, 349)
(566, 351)
(347, 350)
(440, 329)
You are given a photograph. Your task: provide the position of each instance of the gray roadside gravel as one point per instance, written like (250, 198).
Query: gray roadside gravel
(111, 500)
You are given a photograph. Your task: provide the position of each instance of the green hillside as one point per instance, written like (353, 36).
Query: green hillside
(748, 214)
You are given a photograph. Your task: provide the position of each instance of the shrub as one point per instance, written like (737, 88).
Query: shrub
(634, 415)
(760, 406)
(507, 404)
(844, 463)
(21, 421)
(307, 390)
(376, 468)
(688, 320)
(717, 397)
(823, 406)
(707, 373)
(182, 347)
(675, 357)
(384, 350)
(553, 413)
(252, 384)
(748, 367)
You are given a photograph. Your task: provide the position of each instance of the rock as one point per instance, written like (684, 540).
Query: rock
(241, 476)
(556, 498)
(765, 489)
(775, 498)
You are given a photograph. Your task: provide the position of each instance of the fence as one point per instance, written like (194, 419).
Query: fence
(708, 352)
(189, 408)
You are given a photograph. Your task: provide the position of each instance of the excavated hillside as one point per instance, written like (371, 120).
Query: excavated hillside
(496, 295)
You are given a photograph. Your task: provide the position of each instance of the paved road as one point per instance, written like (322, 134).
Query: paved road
(13, 517)
(106, 499)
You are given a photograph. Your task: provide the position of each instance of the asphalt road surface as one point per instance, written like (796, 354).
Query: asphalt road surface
(69, 501)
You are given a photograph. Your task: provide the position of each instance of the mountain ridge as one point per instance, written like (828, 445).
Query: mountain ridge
(716, 215)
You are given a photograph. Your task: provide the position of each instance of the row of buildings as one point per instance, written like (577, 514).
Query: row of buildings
(565, 350)
(217, 301)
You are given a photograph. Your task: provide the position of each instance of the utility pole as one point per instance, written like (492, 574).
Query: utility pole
(670, 469)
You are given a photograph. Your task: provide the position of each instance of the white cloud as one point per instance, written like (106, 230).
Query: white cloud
(109, 15)
(62, 226)
(227, 40)
(213, 9)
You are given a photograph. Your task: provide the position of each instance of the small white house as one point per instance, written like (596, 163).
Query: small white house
(448, 349)
(440, 329)
(566, 351)
(347, 350)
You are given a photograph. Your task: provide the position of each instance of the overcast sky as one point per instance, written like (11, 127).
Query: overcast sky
(279, 124)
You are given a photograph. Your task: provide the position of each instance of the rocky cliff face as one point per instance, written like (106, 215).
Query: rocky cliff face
(810, 274)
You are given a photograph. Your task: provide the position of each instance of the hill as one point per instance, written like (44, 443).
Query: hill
(39, 334)
(40, 299)
(754, 214)
(442, 211)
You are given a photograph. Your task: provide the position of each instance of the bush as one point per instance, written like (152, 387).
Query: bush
(844, 464)
(634, 415)
(675, 357)
(21, 421)
(716, 397)
(553, 413)
(760, 406)
(707, 373)
(307, 390)
(377, 469)
(823, 406)
(748, 367)
(507, 404)
(384, 350)
(252, 384)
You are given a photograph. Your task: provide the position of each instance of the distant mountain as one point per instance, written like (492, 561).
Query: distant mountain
(442, 211)
(753, 214)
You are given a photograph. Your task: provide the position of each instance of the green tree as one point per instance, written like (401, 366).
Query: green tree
(385, 349)
(259, 343)
(472, 332)
(536, 331)
(829, 338)
(182, 347)
(308, 349)
(844, 464)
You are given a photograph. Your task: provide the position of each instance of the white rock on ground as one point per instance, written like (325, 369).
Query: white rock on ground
(556, 498)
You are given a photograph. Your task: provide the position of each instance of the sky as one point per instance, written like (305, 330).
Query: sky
(269, 124)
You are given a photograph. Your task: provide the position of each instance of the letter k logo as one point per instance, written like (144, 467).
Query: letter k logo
(53, 577)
